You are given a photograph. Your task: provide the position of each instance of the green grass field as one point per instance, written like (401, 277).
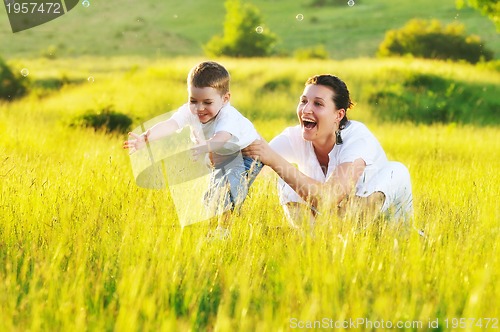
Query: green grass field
(83, 248)
(173, 28)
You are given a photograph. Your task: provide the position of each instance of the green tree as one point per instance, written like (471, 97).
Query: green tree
(244, 34)
(490, 8)
(11, 85)
(429, 39)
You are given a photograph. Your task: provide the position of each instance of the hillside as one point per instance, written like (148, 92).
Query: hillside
(179, 28)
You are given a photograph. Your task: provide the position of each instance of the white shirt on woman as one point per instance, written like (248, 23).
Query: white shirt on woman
(391, 178)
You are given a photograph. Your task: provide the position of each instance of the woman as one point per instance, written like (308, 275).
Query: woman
(339, 161)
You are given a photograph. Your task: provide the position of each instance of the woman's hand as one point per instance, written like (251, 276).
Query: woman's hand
(259, 150)
(138, 141)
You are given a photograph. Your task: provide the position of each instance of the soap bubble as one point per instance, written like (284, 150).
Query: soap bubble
(85, 3)
(259, 29)
(90, 79)
(299, 17)
(350, 3)
(25, 72)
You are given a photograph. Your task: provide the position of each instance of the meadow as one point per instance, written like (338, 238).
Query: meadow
(83, 248)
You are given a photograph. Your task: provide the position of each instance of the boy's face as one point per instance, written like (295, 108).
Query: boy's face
(206, 102)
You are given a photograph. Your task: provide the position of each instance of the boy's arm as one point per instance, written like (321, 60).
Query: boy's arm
(214, 143)
(161, 129)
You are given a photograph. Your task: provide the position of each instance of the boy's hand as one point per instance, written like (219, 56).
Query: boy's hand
(199, 150)
(138, 141)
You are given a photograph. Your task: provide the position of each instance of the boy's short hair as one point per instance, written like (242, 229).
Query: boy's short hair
(209, 74)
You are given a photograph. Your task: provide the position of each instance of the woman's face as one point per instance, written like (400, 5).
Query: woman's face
(318, 116)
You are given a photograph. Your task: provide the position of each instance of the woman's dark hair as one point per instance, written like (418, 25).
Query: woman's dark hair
(340, 98)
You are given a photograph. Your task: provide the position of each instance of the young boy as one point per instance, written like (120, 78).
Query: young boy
(216, 128)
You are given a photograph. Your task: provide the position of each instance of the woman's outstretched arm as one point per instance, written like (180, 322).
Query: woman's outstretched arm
(341, 182)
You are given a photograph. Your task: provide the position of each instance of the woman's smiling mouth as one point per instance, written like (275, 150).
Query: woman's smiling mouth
(308, 123)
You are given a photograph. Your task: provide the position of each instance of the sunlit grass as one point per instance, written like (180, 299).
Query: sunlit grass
(82, 247)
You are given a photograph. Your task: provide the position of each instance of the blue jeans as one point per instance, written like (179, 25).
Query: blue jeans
(230, 182)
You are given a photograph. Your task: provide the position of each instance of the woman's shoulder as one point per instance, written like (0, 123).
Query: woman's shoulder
(293, 130)
(291, 145)
(293, 135)
(356, 125)
(356, 129)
